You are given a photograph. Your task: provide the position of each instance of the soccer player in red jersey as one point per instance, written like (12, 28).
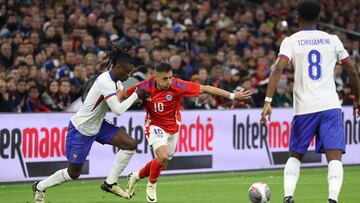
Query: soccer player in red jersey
(163, 119)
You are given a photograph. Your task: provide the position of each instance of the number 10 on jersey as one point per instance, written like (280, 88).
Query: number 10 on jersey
(314, 59)
(159, 107)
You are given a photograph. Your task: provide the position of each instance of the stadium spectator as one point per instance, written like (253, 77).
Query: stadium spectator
(6, 56)
(64, 93)
(33, 103)
(51, 97)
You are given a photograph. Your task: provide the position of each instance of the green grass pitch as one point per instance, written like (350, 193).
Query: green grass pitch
(214, 188)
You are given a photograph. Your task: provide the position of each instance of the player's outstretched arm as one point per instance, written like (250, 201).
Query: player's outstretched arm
(354, 83)
(244, 94)
(120, 107)
(275, 75)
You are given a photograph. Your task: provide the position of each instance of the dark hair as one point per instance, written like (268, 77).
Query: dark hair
(20, 80)
(22, 63)
(309, 9)
(62, 80)
(117, 55)
(163, 67)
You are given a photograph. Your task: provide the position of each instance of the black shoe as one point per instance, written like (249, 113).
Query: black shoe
(34, 187)
(114, 189)
(289, 199)
(39, 196)
(106, 187)
(331, 201)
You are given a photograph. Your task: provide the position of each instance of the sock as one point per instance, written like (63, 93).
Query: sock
(145, 171)
(58, 177)
(335, 178)
(122, 159)
(291, 175)
(155, 170)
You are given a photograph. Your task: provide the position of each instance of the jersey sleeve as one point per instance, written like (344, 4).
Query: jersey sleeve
(286, 49)
(341, 53)
(145, 85)
(188, 89)
(130, 90)
(107, 88)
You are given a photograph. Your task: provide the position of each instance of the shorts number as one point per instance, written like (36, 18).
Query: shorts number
(158, 132)
(159, 107)
(314, 66)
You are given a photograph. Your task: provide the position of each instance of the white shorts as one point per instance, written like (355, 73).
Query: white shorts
(157, 137)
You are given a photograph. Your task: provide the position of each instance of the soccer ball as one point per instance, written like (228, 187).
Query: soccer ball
(259, 193)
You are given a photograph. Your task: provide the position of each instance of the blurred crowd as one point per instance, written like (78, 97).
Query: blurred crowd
(51, 50)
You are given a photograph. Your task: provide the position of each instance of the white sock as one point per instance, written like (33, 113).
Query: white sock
(335, 178)
(136, 175)
(291, 175)
(58, 177)
(122, 159)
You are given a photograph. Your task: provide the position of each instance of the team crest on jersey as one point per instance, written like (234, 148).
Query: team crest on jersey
(169, 97)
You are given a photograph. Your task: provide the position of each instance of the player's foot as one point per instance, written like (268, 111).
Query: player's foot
(114, 189)
(151, 192)
(331, 201)
(130, 188)
(39, 196)
(288, 199)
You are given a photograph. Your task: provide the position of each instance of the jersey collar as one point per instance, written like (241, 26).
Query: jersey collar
(112, 76)
(308, 29)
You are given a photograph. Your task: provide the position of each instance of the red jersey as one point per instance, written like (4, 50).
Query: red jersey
(163, 106)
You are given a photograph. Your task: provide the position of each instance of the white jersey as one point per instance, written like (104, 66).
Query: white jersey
(89, 118)
(314, 54)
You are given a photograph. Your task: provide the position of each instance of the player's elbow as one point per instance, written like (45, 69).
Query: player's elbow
(205, 88)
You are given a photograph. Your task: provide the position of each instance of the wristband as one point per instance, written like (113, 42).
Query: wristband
(232, 96)
(268, 99)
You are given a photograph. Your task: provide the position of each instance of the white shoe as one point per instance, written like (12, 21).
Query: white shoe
(130, 188)
(151, 192)
(39, 196)
(114, 189)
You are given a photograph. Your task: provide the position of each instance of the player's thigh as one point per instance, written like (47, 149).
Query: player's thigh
(172, 142)
(303, 129)
(77, 145)
(331, 133)
(158, 140)
(113, 135)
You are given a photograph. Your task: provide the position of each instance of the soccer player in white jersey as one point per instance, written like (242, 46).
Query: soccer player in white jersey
(88, 125)
(313, 54)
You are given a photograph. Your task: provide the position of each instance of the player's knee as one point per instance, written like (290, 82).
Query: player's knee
(132, 145)
(74, 174)
(163, 159)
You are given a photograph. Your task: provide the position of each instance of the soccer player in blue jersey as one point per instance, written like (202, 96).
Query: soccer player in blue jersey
(313, 54)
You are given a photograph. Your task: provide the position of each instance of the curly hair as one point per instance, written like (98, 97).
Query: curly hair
(117, 55)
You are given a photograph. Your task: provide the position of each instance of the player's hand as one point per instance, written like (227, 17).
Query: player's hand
(142, 94)
(242, 94)
(266, 113)
(121, 95)
(356, 108)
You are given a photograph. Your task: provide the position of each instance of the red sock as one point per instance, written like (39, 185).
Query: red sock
(155, 171)
(145, 171)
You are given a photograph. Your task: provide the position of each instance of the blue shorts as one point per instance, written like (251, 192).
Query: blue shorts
(326, 125)
(79, 145)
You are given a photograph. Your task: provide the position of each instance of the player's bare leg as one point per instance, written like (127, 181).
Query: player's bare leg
(335, 174)
(71, 173)
(127, 147)
(157, 165)
(291, 175)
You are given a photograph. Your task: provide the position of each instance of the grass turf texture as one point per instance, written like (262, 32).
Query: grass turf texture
(218, 187)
